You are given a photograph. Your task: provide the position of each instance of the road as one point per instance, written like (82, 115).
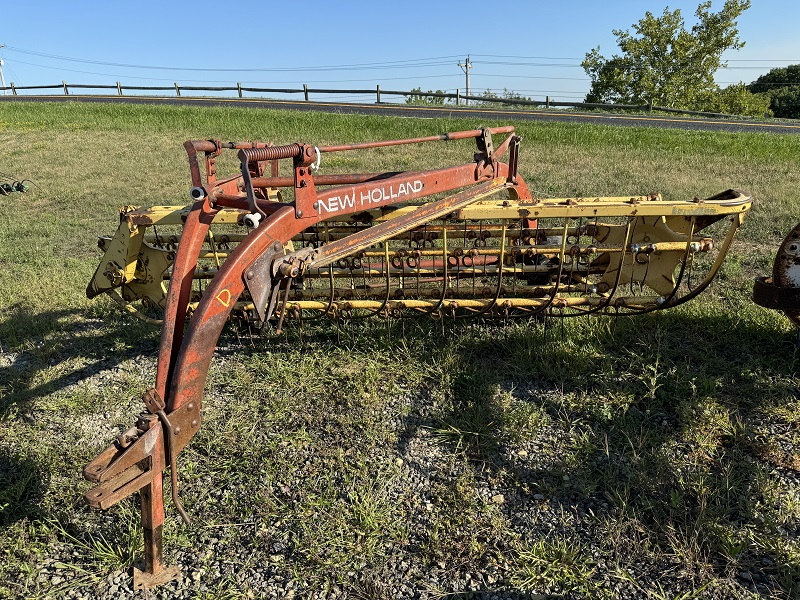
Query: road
(427, 112)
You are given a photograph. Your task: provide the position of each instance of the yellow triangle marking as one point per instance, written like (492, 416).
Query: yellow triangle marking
(224, 298)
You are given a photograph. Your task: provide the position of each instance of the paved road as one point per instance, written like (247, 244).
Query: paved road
(395, 110)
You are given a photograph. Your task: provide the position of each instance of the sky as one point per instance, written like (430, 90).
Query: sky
(532, 48)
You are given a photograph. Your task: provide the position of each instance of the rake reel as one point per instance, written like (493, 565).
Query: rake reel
(457, 242)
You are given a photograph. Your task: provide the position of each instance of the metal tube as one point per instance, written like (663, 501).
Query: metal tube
(459, 135)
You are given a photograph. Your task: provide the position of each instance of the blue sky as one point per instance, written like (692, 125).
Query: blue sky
(399, 45)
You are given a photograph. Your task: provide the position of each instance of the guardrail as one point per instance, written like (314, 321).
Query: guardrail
(307, 91)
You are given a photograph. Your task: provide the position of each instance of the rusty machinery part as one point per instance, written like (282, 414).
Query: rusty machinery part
(466, 240)
(782, 290)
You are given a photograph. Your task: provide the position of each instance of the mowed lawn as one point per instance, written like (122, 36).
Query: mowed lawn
(654, 456)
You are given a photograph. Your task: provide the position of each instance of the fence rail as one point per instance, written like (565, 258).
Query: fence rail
(307, 91)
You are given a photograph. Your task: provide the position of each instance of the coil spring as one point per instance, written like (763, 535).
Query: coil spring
(270, 152)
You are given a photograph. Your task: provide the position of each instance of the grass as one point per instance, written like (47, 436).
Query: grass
(622, 449)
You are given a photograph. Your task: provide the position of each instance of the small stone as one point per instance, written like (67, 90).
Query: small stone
(522, 453)
(398, 461)
(498, 499)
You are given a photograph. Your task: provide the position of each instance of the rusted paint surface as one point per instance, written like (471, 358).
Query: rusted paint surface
(782, 290)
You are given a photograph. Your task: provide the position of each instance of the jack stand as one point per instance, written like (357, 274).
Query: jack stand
(154, 573)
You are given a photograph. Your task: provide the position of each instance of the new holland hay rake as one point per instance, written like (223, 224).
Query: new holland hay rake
(266, 246)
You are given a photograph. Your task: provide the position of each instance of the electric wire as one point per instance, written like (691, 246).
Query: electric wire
(172, 79)
(398, 64)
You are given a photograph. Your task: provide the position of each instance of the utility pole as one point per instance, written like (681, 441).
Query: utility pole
(2, 79)
(466, 66)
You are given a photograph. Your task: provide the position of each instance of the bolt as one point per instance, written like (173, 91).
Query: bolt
(194, 423)
(177, 430)
(316, 205)
(190, 406)
(277, 247)
(299, 213)
(250, 274)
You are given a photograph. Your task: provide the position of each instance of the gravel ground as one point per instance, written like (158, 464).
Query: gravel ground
(362, 492)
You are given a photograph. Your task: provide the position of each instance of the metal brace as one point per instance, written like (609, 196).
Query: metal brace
(156, 405)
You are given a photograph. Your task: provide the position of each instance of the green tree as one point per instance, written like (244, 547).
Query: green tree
(782, 85)
(736, 99)
(419, 97)
(507, 94)
(664, 62)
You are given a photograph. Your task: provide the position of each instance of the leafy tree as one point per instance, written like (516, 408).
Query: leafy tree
(782, 85)
(664, 62)
(507, 94)
(419, 97)
(736, 99)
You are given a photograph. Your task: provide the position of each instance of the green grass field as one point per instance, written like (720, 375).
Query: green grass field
(652, 457)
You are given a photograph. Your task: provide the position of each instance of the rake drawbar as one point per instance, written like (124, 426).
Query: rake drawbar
(465, 240)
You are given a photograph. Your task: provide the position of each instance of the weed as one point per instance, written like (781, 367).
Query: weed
(554, 565)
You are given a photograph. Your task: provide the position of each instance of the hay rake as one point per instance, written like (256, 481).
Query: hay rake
(463, 241)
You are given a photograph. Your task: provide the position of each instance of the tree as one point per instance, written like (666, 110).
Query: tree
(736, 99)
(663, 62)
(507, 94)
(420, 97)
(782, 86)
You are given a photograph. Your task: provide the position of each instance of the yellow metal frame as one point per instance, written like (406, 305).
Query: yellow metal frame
(136, 261)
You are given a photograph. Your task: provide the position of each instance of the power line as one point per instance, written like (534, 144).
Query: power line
(525, 64)
(172, 79)
(401, 64)
(534, 77)
(529, 57)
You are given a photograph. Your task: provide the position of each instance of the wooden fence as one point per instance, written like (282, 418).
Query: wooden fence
(69, 89)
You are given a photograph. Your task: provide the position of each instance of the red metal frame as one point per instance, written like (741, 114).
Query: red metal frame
(137, 462)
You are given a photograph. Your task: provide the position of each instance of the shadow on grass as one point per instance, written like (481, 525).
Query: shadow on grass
(67, 343)
(659, 431)
(662, 431)
(22, 485)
